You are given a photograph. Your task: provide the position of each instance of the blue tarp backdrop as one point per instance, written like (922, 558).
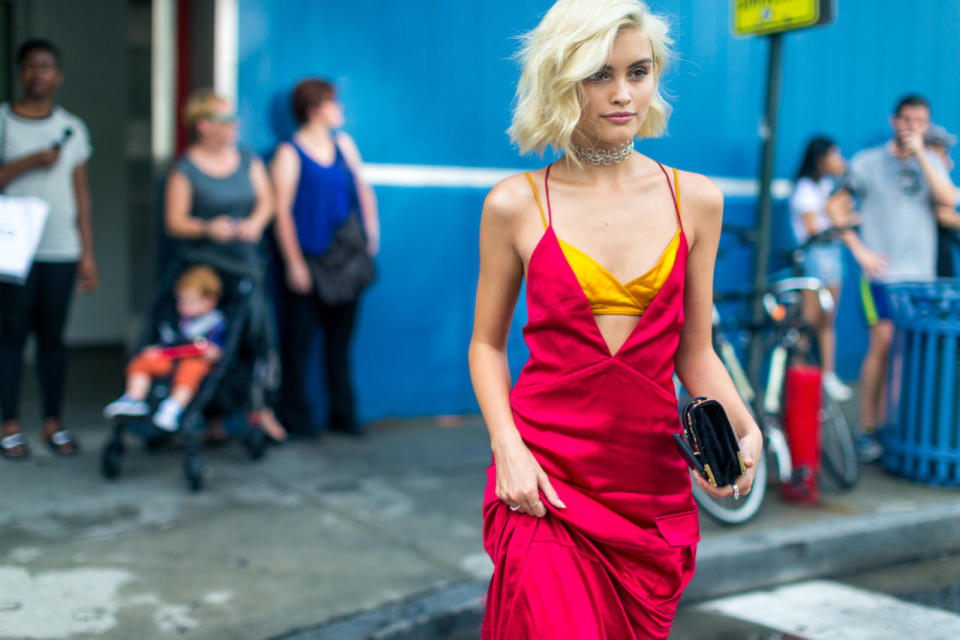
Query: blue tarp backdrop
(431, 83)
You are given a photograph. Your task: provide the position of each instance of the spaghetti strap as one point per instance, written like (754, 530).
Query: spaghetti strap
(536, 197)
(676, 189)
(674, 192)
(546, 191)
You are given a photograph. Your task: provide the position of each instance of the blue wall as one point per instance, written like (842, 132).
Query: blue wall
(431, 82)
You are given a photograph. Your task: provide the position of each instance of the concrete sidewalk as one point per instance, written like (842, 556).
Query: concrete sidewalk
(342, 538)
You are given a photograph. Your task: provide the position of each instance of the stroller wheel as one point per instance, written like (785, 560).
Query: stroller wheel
(112, 458)
(255, 442)
(193, 469)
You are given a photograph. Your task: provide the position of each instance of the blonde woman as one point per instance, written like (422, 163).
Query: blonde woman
(588, 513)
(218, 195)
(219, 200)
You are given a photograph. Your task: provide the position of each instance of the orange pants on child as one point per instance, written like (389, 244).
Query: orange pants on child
(187, 372)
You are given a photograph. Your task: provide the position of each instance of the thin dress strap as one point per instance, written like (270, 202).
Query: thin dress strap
(536, 196)
(546, 190)
(675, 194)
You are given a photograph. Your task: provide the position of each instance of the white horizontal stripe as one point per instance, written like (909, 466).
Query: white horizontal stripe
(415, 175)
(422, 175)
(823, 610)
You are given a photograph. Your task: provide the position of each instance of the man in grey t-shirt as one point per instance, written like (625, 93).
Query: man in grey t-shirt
(900, 185)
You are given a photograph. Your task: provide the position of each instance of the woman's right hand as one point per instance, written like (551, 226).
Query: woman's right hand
(298, 277)
(520, 479)
(222, 229)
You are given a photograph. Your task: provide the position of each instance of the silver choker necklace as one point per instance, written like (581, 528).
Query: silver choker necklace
(605, 157)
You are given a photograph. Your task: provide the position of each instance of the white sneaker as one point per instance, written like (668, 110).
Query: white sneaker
(835, 387)
(125, 407)
(167, 416)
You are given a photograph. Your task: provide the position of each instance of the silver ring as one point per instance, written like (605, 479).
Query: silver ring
(736, 492)
(514, 507)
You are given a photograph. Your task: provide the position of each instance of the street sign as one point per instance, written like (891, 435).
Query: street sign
(763, 17)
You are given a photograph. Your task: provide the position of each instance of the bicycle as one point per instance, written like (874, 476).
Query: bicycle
(787, 339)
(838, 444)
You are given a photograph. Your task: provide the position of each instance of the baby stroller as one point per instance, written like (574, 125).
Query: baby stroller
(236, 386)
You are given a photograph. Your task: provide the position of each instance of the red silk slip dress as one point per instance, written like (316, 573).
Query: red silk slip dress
(613, 564)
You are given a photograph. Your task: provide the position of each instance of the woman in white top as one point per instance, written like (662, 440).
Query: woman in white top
(816, 181)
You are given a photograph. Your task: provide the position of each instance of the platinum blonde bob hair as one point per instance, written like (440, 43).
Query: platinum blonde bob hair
(572, 42)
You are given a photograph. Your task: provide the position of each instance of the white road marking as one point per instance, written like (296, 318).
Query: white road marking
(824, 610)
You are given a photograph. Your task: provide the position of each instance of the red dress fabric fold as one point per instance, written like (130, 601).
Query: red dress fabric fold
(613, 564)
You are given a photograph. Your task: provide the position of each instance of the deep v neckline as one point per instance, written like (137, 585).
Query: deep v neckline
(615, 279)
(572, 276)
(585, 302)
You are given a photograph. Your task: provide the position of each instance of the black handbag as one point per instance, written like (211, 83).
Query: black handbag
(346, 269)
(708, 443)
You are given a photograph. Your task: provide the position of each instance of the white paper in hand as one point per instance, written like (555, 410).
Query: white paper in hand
(22, 220)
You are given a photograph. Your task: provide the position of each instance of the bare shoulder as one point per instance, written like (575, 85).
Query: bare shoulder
(256, 163)
(699, 193)
(285, 147)
(509, 200)
(701, 201)
(285, 153)
(347, 145)
(177, 178)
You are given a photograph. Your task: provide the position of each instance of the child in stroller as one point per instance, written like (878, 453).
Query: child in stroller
(187, 350)
(230, 376)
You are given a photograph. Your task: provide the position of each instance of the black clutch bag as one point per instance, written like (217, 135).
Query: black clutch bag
(708, 443)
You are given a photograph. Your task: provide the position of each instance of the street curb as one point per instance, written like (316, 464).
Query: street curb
(823, 549)
(439, 614)
(726, 564)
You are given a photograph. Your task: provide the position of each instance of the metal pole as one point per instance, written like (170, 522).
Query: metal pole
(768, 135)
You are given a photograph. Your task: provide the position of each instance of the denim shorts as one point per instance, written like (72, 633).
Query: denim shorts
(825, 262)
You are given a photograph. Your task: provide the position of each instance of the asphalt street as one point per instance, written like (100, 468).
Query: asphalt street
(380, 537)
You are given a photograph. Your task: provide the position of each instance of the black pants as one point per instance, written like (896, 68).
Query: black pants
(39, 305)
(302, 313)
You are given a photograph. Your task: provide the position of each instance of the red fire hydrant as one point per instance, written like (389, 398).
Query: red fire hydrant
(801, 421)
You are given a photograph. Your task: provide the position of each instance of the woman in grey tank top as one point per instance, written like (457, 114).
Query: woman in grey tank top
(218, 197)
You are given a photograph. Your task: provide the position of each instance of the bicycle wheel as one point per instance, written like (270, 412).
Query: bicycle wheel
(838, 453)
(729, 511)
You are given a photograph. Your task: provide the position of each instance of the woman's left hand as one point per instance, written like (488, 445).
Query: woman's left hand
(248, 230)
(752, 447)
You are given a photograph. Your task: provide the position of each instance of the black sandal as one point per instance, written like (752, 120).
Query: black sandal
(60, 439)
(11, 442)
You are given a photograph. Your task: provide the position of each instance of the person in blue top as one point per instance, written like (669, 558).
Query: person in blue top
(327, 230)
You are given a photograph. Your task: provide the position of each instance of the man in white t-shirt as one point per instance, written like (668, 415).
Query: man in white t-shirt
(43, 153)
